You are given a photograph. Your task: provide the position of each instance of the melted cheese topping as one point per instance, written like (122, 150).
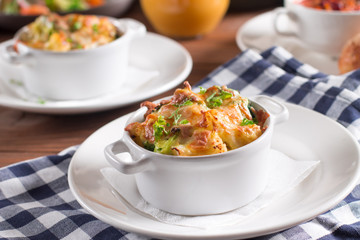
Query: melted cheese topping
(215, 120)
(70, 32)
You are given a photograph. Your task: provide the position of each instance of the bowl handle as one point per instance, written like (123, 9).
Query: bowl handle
(118, 155)
(10, 55)
(278, 111)
(134, 27)
(278, 13)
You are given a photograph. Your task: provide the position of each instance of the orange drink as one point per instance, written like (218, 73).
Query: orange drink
(184, 18)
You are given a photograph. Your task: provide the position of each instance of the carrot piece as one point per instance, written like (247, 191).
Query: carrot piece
(95, 3)
(34, 9)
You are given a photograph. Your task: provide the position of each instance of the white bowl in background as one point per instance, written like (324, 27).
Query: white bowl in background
(76, 74)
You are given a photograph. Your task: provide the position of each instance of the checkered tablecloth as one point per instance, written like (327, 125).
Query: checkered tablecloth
(36, 203)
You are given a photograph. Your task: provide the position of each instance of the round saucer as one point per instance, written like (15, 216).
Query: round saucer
(328, 184)
(157, 64)
(258, 34)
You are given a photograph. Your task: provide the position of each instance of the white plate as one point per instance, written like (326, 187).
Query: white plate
(170, 61)
(258, 33)
(307, 135)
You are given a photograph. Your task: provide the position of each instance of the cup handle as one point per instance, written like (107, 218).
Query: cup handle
(10, 55)
(119, 156)
(134, 27)
(278, 13)
(278, 111)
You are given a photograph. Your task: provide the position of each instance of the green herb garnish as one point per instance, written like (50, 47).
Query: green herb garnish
(78, 46)
(215, 100)
(185, 121)
(76, 26)
(188, 102)
(74, 5)
(16, 82)
(95, 28)
(41, 100)
(149, 146)
(176, 115)
(246, 122)
(11, 7)
(164, 146)
(159, 128)
(202, 90)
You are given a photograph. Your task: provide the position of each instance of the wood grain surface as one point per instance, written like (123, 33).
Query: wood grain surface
(26, 135)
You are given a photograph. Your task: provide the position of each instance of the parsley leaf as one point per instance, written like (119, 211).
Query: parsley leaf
(188, 102)
(176, 115)
(76, 26)
(202, 90)
(149, 146)
(16, 82)
(165, 146)
(225, 95)
(217, 101)
(41, 100)
(185, 121)
(95, 28)
(159, 127)
(246, 122)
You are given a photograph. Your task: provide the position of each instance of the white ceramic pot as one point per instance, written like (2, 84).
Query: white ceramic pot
(204, 184)
(77, 74)
(319, 30)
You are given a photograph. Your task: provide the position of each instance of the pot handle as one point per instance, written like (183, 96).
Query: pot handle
(132, 26)
(278, 13)
(278, 111)
(10, 55)
(119, 156)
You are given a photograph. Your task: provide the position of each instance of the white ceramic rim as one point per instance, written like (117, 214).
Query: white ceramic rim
(150, 154)
(145, 226)
(324, 12)
(119, 40)
(104, 103)
(324, 63)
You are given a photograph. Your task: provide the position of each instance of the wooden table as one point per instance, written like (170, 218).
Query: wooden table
(25, 135)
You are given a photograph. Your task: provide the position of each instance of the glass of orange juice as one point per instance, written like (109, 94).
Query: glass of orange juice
(184, 18)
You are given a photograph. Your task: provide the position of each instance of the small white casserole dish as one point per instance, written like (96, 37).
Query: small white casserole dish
(199, 185)
(76, 74)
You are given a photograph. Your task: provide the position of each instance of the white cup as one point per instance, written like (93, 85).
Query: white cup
(319, 30)
(77, 74)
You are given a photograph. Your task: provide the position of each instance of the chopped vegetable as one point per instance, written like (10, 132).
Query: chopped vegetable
(176, 114)
(76, 26)
(216, 98)
(212, 121)
(38, 7)
(70, 32)
(164, 146)
(332, 5)
(246, 122)
(202, 90)
(185, 121)
(149, 146)
(159, 128)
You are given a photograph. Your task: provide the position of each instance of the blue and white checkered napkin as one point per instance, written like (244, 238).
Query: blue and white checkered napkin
(36, 203)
